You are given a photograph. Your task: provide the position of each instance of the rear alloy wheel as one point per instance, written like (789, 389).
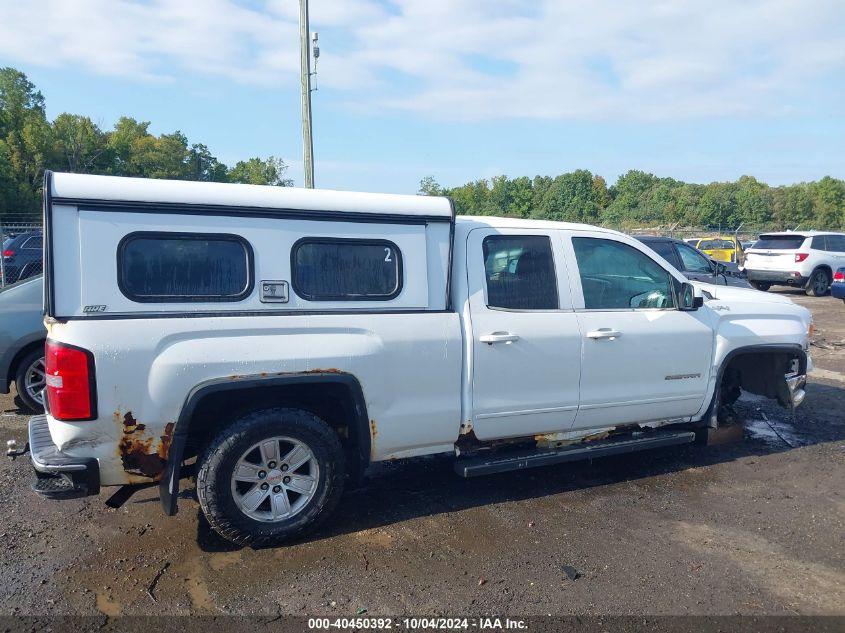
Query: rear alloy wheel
(760, 285)
(819, 283)
(271, 476)
(275, 479)
(31, 380)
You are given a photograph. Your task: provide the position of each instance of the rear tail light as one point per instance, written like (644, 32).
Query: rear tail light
(8, 253)
(839, 276)
(800, 257)
(71, 389)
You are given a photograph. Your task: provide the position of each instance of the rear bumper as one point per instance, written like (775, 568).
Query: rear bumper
(791, 278)
(838, 291)
(59, 475)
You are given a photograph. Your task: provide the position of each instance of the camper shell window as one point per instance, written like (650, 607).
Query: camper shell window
(184, 267)
(333, 269)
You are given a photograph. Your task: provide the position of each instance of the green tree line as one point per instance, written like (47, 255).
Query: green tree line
(30, 144)
(640, 199)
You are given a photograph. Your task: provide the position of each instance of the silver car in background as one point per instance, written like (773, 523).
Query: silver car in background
(22, 336)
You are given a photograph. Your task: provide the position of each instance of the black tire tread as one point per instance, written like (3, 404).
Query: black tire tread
(20, 380)
(225, 441)
(810, 289)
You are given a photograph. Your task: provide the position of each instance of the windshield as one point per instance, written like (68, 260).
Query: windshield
(779, 242)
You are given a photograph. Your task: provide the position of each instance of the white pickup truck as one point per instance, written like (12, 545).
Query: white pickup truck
(276, 341)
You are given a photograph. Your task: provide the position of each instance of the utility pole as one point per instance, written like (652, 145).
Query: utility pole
(305, 78)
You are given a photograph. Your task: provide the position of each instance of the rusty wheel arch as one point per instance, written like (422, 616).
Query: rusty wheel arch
(359, 426)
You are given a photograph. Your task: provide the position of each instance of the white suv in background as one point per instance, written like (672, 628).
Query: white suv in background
(805, 260)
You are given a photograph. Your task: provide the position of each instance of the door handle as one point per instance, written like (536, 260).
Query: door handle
(604, 332)
(498, 337)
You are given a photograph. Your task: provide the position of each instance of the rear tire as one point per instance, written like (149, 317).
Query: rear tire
(760, 285)
(30, 380)
(819, 284)
(254, 496)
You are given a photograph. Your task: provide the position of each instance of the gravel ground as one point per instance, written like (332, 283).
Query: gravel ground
(754, 527)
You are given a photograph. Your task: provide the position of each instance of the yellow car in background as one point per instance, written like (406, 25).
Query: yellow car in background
(723, 249)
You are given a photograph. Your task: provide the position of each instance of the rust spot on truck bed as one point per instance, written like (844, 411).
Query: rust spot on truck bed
(141, 453)
(264, 374)
(130, 424)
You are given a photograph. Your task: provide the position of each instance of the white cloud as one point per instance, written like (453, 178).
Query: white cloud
(154, 40)
(466, 59)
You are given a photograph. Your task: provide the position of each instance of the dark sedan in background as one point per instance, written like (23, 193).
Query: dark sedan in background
(693, 263)
(22, 257)
(22, 336)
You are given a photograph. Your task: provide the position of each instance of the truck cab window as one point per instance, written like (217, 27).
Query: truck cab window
(616, 276)
(520, 272)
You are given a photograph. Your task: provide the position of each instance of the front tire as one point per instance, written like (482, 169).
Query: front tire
(30, 380)
(760, 285)
(819, 284)
(271, 476)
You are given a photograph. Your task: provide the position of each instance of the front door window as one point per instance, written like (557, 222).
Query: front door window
(616, 276)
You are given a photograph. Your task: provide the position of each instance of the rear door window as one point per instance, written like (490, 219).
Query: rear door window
(520, 272)
(779, 242)
(694, 261)
(819, 243)
(334, 269)
(184, 267)
(666, 250)
(836, 243)
(33, 243)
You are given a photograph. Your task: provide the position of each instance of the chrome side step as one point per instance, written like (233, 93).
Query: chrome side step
(518, 460)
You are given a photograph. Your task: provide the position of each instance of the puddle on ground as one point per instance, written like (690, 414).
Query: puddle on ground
(774, 432)
(374, 536)
(221, 560)
(107, 605)
(197, 588)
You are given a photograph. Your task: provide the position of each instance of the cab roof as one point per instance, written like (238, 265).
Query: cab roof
(477, 221)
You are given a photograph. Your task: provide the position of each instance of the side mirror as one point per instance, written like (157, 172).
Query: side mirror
(718, 267)
(687, 299)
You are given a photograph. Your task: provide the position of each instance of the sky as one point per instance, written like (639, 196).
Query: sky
(459, 89)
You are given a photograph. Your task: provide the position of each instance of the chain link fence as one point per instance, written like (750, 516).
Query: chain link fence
(745, 232)
(22, 255)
